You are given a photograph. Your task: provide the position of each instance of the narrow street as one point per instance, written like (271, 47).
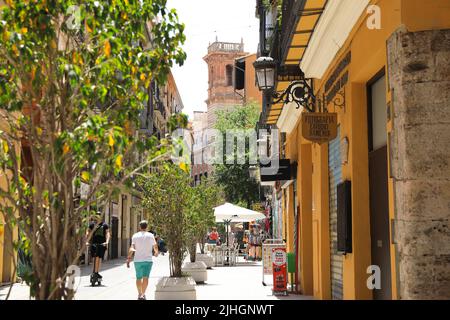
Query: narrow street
(311, 134)
(242, 282)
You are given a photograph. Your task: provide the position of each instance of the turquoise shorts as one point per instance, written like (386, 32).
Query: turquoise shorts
(143, 269)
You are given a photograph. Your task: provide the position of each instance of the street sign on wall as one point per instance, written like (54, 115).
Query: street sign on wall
(319, 127)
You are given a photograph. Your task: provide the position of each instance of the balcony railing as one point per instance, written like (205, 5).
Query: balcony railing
(226, 47)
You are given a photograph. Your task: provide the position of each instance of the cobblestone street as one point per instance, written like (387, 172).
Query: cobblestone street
(241, 282)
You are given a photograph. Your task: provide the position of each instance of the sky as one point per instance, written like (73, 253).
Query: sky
(229, 20)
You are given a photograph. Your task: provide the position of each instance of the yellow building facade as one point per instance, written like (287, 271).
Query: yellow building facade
(7, 236)
(348, 48)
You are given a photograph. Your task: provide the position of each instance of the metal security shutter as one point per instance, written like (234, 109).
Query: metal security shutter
(335, 177)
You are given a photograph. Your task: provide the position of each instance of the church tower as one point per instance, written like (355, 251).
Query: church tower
(221, 94)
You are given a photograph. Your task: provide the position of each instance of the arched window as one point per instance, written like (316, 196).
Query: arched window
(229, 74)
(211, 77)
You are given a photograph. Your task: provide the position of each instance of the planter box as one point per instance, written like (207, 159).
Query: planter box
(197, 270)
(175, 289)
(207, 258)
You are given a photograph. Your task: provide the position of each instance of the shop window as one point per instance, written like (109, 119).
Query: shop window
(239, 75)
(378, 113)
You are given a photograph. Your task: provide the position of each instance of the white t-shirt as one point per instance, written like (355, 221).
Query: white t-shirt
(143, 242)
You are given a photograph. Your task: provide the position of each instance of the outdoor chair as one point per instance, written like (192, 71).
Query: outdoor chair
(219, 257)
(235, 253)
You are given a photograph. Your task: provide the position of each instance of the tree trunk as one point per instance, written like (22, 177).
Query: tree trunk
(176, 261)
(193, 251)
(202, 246)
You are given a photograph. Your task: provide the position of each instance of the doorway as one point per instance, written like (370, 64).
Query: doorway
(124, 220)
(378, 183)
(115, 238)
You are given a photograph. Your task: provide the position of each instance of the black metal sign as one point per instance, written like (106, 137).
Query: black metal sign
(283, 172)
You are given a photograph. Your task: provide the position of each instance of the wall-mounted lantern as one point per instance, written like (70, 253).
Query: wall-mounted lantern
(299, 91)
(265, 73)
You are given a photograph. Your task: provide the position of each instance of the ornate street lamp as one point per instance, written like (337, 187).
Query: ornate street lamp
(299, 91)
(265, 73)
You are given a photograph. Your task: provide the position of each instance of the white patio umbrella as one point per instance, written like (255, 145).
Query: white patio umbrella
(232, 213)
(228, 213)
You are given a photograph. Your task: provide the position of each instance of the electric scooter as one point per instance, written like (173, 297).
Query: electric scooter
(95, 279)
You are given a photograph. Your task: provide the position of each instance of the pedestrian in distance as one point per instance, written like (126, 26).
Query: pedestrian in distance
(161, 245)
(143, 247)
(213, 236)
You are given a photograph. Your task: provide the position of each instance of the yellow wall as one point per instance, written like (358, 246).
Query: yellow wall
(304, 188)
(289, 191)
(2, 227)
(320, 216)
(284, 216)
(420, 15)
(6, 247)
(368, 58)
(7, 257)
(252, 93)
(290, 219)
(2, 232)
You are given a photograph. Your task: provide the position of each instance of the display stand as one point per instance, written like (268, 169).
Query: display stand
(279, 271)
(267, 247)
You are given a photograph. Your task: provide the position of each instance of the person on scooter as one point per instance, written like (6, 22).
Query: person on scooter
(99, 241)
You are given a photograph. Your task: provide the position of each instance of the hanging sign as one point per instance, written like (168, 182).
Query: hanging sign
(279, 270)
(319, 127)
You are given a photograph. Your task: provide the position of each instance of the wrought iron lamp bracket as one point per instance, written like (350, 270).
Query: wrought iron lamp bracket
(338, 101)
(298, 92)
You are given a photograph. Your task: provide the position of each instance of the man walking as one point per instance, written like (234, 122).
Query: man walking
(142, 244)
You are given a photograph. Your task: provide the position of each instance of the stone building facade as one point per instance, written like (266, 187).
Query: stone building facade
(199, 169)
(419, 73)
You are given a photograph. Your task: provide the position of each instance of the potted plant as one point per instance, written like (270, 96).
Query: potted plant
(212, 196)
(204, 197)
(166, 196)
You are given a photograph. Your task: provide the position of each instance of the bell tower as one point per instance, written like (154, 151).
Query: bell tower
(221, 94)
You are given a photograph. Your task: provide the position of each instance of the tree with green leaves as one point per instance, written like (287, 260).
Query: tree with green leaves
(74, 77)
(238, 186)
(204, 198)
(166, 199)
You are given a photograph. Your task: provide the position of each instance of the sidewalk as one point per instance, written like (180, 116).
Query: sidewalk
(243, 282)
